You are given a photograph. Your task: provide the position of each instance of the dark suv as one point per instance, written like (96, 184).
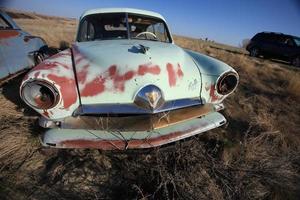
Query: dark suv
(276, 45)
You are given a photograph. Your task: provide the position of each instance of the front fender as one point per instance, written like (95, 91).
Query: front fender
(211, 71)
(57, 71)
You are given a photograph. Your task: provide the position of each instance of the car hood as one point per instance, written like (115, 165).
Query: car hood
(113, 71)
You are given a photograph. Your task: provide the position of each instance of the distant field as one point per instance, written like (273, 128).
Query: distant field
(255, 156)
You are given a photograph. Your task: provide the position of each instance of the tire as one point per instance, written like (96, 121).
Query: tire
(254, 52)
(296, 61)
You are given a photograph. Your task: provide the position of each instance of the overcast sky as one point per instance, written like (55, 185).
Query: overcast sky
(227, 22)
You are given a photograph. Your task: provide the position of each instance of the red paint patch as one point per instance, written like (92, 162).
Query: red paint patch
(6, 34)
(179, 71)
(171, 75)
(36, 74)
(113, 74)
(119, 79)
(143, 69)
(67, 89)
(50, 65)
(212, 94)
(45, 113)
(94, 87)
(82, 74)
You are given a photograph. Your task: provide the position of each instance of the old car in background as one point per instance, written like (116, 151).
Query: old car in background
(276, 45)
(125, 84)
(18, 49)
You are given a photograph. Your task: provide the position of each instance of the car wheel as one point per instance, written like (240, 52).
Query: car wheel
(296, 61)
(254, 52)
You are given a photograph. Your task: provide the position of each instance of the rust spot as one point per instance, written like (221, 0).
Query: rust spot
(6, 34)
(67, 89)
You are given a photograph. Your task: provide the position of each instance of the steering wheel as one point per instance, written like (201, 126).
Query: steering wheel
(146, 32)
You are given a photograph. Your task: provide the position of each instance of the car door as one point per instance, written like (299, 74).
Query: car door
(288, 48)
(13, 54)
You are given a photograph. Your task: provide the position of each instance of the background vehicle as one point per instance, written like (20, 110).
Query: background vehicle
(18, 49)
(276, 45)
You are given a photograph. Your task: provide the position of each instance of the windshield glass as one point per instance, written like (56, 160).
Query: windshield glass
(297, 41)
(147, 28)
(114, 26)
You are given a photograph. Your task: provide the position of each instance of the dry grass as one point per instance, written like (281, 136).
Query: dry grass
(255, 156)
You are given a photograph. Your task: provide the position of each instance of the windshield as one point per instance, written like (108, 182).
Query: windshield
(297, 41)
(116, 25)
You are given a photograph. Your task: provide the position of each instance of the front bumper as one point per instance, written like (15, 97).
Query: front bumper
(121, 140)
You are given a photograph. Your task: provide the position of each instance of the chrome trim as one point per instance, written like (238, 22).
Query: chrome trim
(94, 109)
(149, 97)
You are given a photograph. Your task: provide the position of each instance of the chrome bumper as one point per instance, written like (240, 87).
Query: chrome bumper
(108, 140)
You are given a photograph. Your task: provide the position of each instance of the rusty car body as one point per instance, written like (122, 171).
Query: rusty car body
(18, 49)
(125, 84)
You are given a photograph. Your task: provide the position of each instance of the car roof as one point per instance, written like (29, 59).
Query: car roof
(278, 33)
(122, 10)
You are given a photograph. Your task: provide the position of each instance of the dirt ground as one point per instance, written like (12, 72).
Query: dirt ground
(256, 155)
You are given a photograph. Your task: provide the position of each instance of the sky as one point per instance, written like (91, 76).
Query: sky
(224, 21)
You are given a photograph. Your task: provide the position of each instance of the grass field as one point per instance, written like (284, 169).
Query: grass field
(255, 156)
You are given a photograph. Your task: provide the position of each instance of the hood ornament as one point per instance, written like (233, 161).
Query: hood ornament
(144, 49)
(149, 97)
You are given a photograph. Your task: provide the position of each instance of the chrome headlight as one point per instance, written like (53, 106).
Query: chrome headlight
(227, 83)
(40, 94)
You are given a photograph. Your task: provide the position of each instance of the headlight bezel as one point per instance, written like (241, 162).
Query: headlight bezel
(225, 78)
(42, 83)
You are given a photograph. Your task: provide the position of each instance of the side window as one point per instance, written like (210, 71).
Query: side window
(87, 31)
(289, 42)
(4, 24)
(160, 32)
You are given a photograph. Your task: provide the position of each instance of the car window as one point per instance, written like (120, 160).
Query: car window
(297, 41)
(103, 27)
(148, 28)
(4, 24)
(114, 26)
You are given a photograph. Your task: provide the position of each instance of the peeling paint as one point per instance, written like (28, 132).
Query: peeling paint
(8, 34)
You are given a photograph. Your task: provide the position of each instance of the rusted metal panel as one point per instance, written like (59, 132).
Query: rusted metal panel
(133, 122)
(107, 140)
(15, 49)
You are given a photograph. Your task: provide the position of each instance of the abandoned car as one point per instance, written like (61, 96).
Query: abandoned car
(18, 49)
(124, 84)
